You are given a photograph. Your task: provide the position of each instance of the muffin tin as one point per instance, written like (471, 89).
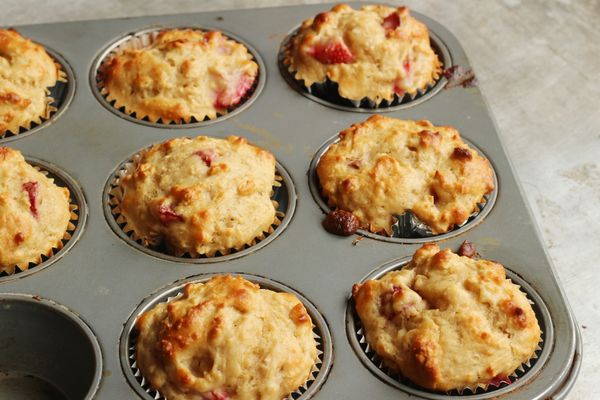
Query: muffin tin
(103, 282)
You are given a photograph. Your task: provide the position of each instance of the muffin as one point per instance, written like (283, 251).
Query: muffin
(383, 167)
(199, 196)
(226, 339)
(26, 73)
(447, 322)
(182, 74)
(34, 213)
(377, 52)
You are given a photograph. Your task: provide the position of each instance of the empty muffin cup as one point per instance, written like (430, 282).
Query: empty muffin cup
(47, 351)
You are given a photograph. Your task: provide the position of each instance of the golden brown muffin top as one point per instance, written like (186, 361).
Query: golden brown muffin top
(448, 322)
(383, 167)
(34, 212)
(200, 195)
(226, 339)
(181, 74)
(375, 52)
(26, 72)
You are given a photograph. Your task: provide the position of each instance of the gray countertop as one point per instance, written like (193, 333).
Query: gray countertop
(538, 63)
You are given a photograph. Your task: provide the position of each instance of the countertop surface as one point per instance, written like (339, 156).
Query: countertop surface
(538, 63)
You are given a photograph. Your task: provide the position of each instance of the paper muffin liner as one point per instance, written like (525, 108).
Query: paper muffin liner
(50, 110)
(143, 40)
(478, 388)
(116, 196)
(155, 394)
(328, 89)
(53, 249)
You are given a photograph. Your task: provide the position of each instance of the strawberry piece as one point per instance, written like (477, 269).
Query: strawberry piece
(499, 379)
(332, 53)
(398, 90)
(32, 191)
(167, 215)
(216, 395)
(207, 156)
(406, 65)
(232, 95)
(391, 22)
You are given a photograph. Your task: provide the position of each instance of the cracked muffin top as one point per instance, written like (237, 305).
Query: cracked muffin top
(182, 74)
(383, 167)
(377, 52)
(447, 322)
(226, 339)
(34, 213)
(26, 73)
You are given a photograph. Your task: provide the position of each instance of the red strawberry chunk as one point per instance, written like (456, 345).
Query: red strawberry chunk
(391, 22)
(32, 191)
(231, 95)
(332, 53)
(216, 395)
(167, 215)
(406, 65)
(207, 156)
(398, 90)
(499, 379)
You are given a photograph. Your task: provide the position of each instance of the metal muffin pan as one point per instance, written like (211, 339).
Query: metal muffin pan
(102, 278)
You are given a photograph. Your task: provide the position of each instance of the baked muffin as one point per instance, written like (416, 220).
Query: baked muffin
(448, 322)
(34, 213)
(199, 195)
(182, 74)
(383, 167)
(226, 339)
(26, 73)
(377, 52)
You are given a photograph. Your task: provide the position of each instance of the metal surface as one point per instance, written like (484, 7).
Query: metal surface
(102, 278)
